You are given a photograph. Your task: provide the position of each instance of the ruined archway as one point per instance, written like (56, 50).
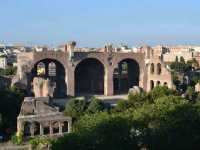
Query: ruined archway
(89, 77)
(125, 76)
(55, 126)
(159, 69)
(27, 129)
(151, 84)
(36, 127)
(158, 83)
(152, 68)
(52, 73)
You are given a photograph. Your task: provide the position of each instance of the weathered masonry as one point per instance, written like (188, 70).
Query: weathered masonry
(72, 72)
(39, 118)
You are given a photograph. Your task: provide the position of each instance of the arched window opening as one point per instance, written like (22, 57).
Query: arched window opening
(152, 68)
(41, 69)
(55, 127)
(152, 52)
(124, 68)
(158, 83)
(165, 84)
(151, 84)
(27, 129)
(65, 127)
(46, 130)
(36, 127)
(116, 72)
(52, 69)
(158, 68)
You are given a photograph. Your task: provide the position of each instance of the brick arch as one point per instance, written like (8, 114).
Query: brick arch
(138, 58)
(115, 65)
(109, 60)
(58, 81)
(36, 62)
(118, 60)
(121, 85)
(99, 58)
(89, 76)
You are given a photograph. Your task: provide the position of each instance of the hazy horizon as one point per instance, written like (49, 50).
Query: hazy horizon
(94, 23)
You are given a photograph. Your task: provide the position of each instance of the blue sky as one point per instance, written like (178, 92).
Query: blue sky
(95, 22)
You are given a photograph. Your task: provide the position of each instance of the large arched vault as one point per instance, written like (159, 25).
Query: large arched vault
(125, 76)
(53, 71)
(86, 72)
(89, 77)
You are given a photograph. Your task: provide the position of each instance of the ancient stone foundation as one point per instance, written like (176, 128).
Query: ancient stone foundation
(40, 118)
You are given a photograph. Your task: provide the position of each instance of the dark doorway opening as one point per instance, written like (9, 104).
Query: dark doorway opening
(46, 130)
(55, 127)
(27, 129)
(36, 126)
(65, 127)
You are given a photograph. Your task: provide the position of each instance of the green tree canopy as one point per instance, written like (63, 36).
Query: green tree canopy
(95, 105)
(162, 120)
(10, 104)
(99, 131)
(10, 70)
(75, 108)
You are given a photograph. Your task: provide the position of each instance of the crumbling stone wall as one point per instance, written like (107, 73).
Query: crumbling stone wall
(144, 57)
(43, 87)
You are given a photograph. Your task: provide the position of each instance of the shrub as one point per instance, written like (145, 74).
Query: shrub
(100, 131)
(168, 122)
(36, 143)
(10, 70)
(10, 104)
(17, 139)
(75, 108)
(160, 91)
(190, 93)
(135, 100)
(95, 105)
(122, 105)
